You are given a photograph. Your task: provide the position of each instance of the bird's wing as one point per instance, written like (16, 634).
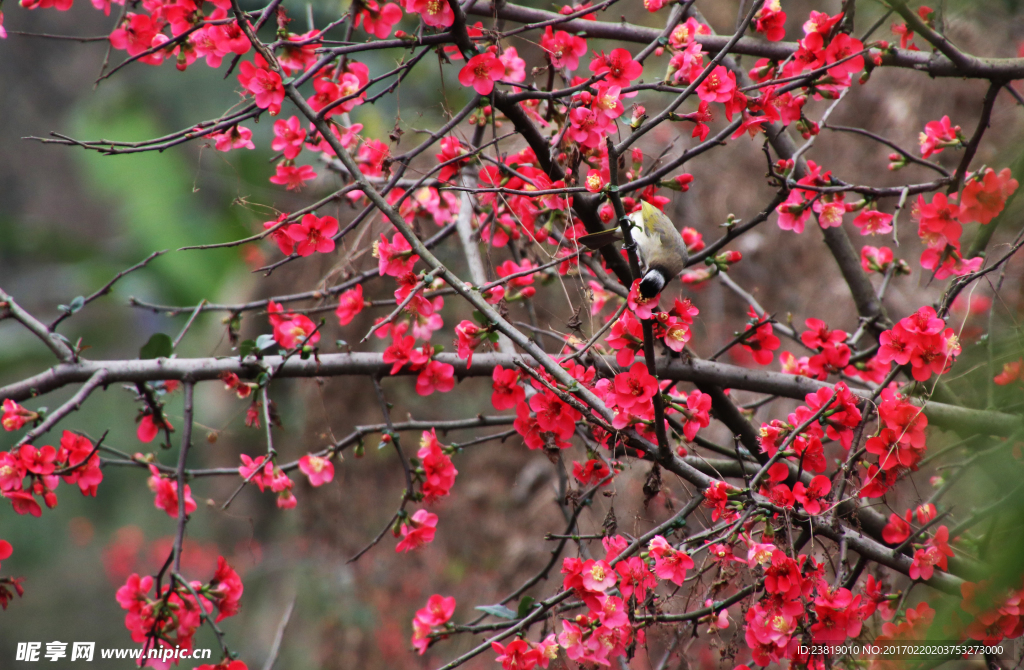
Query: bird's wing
(600, 239)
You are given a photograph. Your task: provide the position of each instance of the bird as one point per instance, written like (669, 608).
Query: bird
(662, 251)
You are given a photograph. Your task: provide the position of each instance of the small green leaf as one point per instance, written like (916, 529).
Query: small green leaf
(525, 606)
(77, 304)
(247, 348)
(499, 611)
(264, 342)
(159, 346)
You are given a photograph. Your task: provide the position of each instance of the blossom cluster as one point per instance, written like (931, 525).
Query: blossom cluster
(30, 472)
(168, 616)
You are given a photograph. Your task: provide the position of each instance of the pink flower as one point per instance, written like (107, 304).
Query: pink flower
(810, 496)
(563, 49)
(515, 67)
(438, 470)
(481, 72)
(669, 563)
(292, 177)
(635, 389)
(235, 137)
(938, 135)
(619, 65)
(150, 426)
(871, 222)
(166, 492)
(417, 531)
(290, 330)
(395, 258)
(350, 303)
(319, 470)
(24, 503)
(596, 181)
(435, 13)
(264, 84)
(313, 233)
(717, 86)
(225, 589)
(439, 610)
(436, 376)
(5, 550)
(516, 655)
(378, 21)
(639, 305)
(288, 137)
(15, 416)
(506, 389)
(985, 195)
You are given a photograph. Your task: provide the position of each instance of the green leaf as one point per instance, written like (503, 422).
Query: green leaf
(525, 606)
(247, 348)
(76, 304)
(499, 611)
(159, 346)
(264, 342)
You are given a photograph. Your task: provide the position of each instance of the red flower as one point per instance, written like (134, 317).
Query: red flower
(417, 531)
(871, 222)
(1010, 374)
(438, 470)
(350, 303)
(843, 46)
(563, 49)
(669, 562)
(516, 655)
(12, 472)
(897, 530)
(451, 149)
(235, 137)
(937, 135)
(5, 550)
(293, 177)
(167, 494)
(619, 65)
(291, 330)
(150, 426)
(771, 21)
(506, 389)
(15, 416)
(436, 376)
(639, 305)
(24, 503)
(596, 180)
(313, 233)
(38, 461)
(226, 664)
(810, 496)
(717, 86)
(435, 13)
(264, 84)
(319, 470)
(985, 195)
(394, 258)
(553, 415)
(481, 72)
(376, 20)
(762, 341)
(225, 589)
(288, 137)
(591, 473)
(136, 35)
(699, 406)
